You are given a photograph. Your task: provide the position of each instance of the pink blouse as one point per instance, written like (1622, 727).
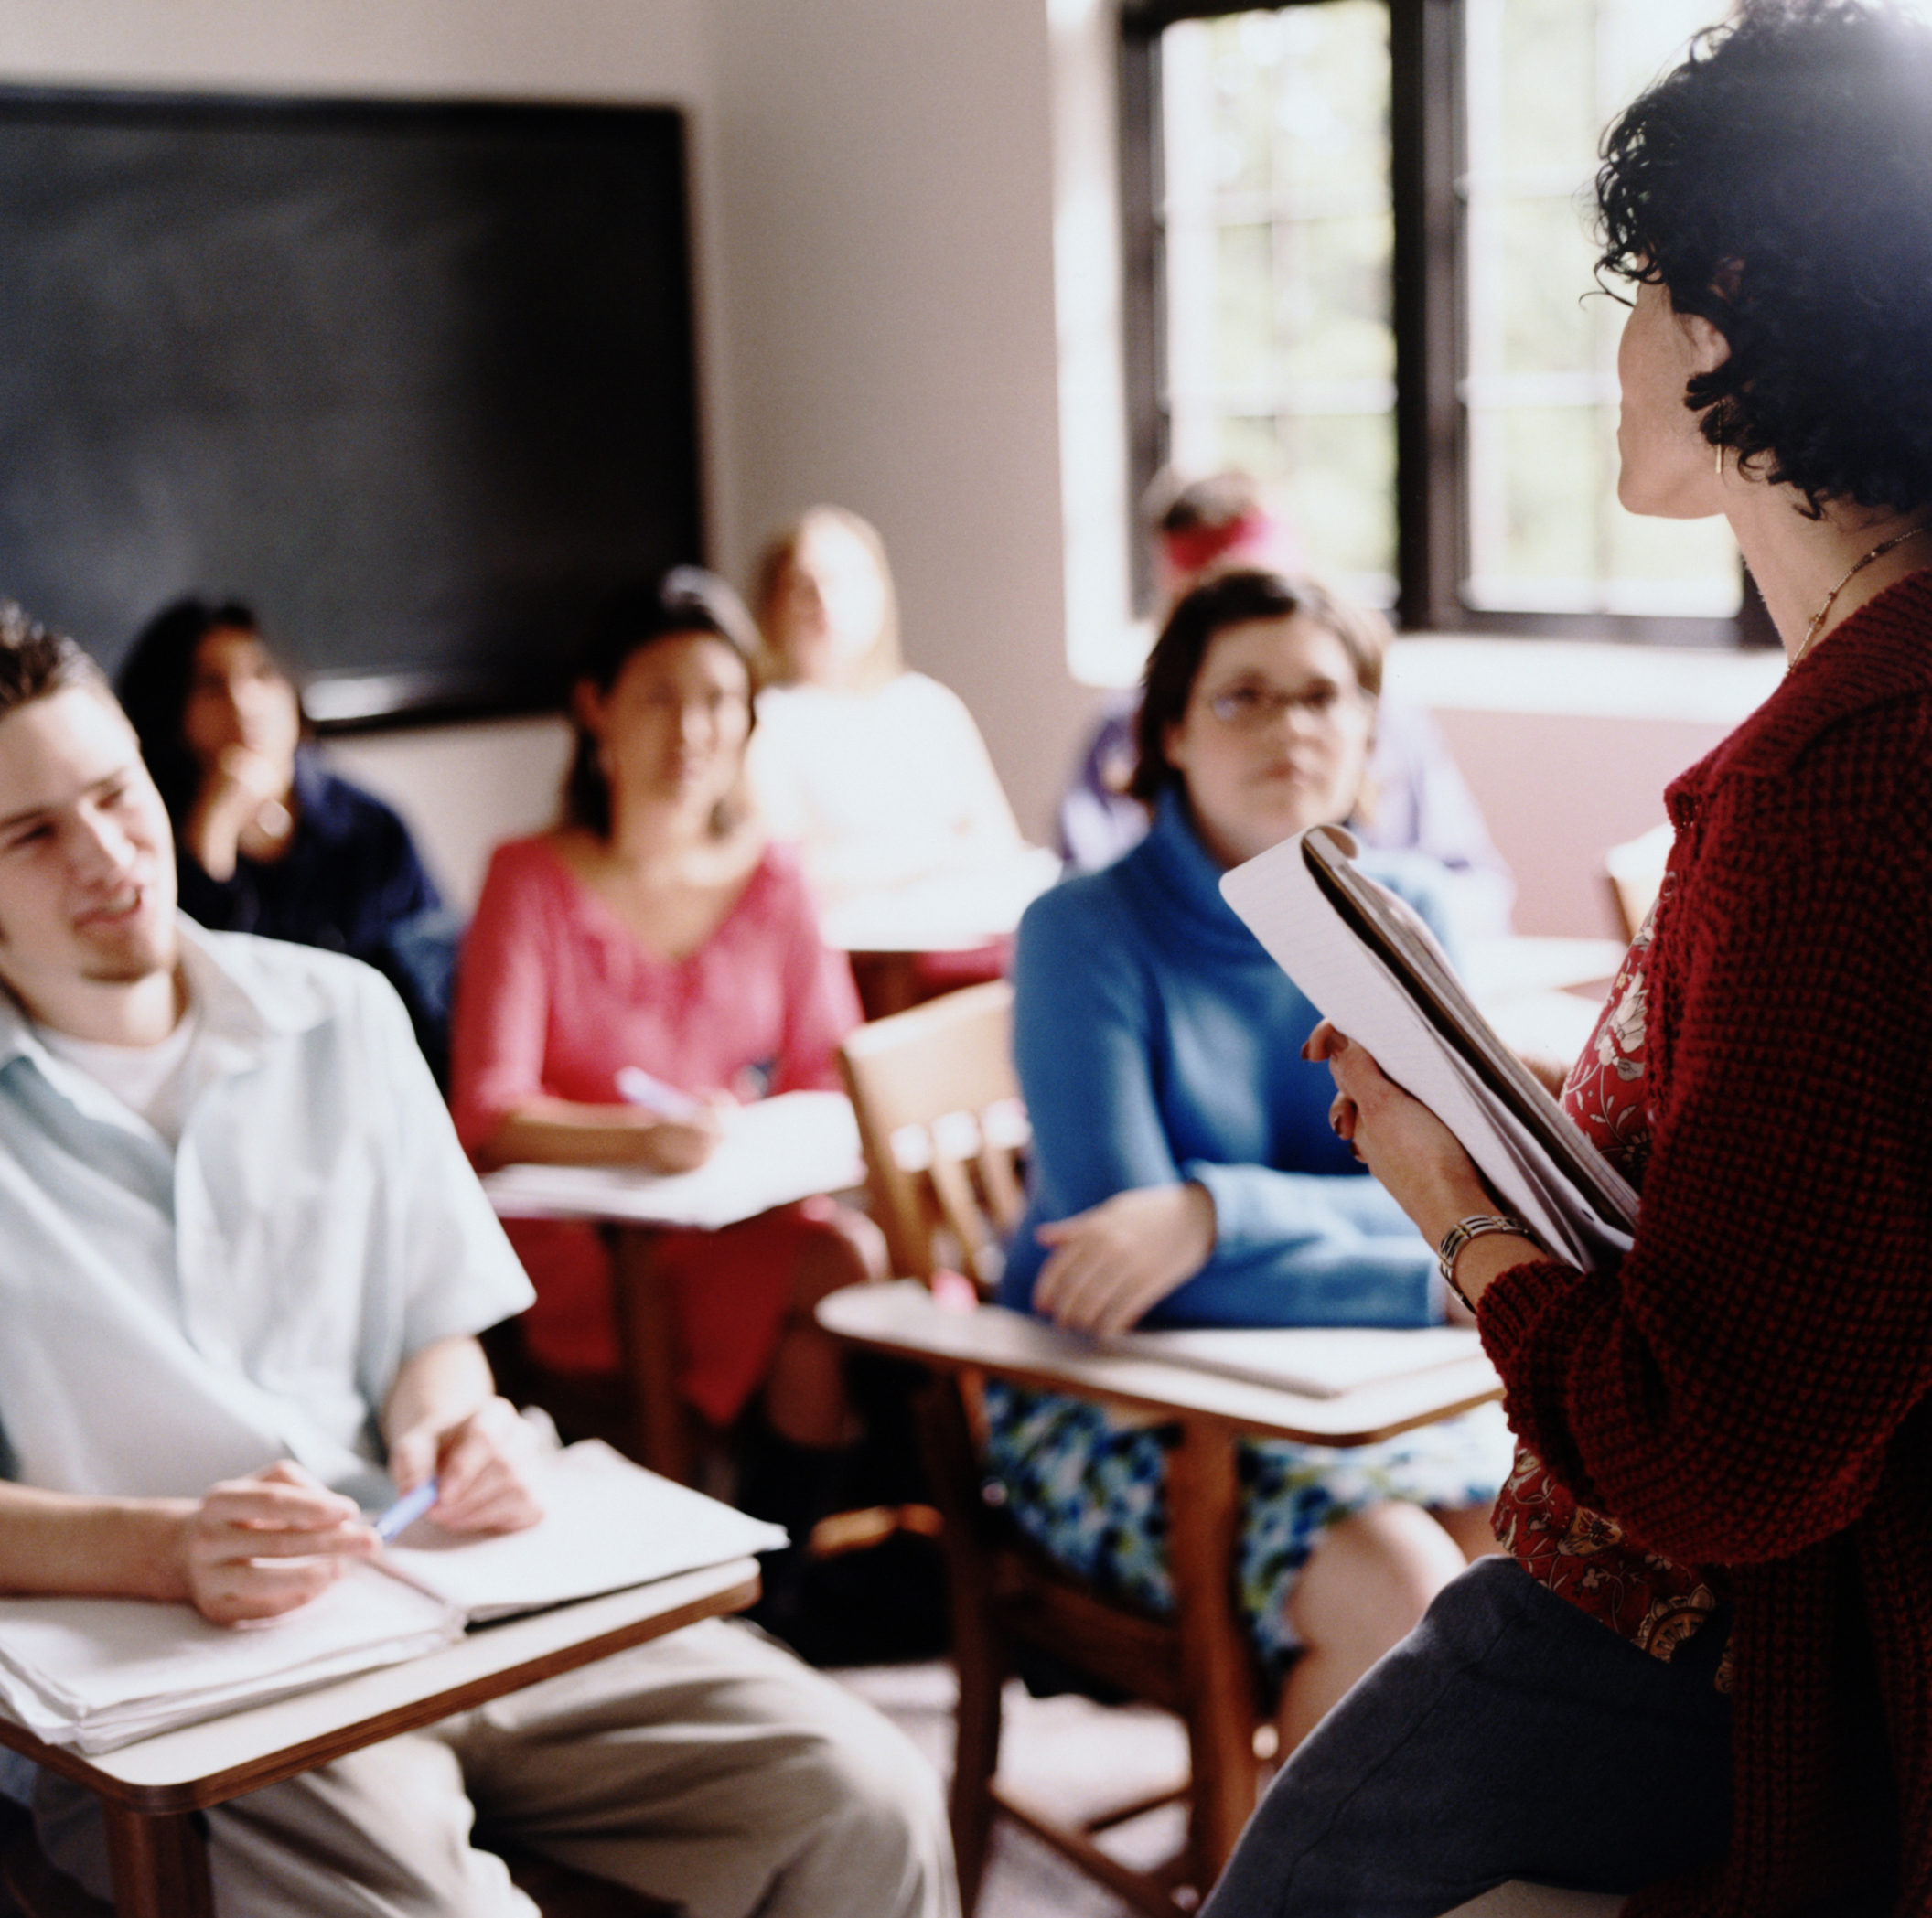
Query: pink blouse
(555, 995)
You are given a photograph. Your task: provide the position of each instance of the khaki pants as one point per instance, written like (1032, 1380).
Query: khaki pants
(710, 1769)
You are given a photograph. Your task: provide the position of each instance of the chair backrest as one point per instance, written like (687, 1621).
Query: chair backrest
(943, 1129)
(1635, 872)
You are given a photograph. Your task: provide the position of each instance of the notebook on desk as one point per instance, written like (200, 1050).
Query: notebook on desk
(101, 1673)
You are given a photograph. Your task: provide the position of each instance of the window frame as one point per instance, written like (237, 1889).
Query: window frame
(1426, 161)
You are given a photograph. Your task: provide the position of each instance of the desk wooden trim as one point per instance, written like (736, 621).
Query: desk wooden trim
(903, 1319)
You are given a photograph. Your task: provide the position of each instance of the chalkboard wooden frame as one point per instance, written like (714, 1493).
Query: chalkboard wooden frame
(416, 378)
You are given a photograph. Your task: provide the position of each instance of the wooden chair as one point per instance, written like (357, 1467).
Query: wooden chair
(1635, 872)
(943, 1128)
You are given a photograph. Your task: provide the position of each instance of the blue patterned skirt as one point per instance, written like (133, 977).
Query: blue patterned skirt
(1092, 1493)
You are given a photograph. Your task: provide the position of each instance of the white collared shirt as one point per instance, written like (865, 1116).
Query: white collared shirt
(177, 1316)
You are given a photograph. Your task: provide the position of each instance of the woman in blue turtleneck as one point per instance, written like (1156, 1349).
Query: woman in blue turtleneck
(1183, 1169)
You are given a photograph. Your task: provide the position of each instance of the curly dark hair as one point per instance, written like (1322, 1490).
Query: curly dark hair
(1222, 600)
(1776, 184)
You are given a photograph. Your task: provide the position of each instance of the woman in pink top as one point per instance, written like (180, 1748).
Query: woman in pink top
(653, 928)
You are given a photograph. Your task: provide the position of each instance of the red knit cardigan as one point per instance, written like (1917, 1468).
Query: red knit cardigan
(1748, 1390)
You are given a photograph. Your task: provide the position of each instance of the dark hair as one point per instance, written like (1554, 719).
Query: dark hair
(1776, 185)
(1173, 505)
(684, 600)
(153, 683)
(35, 663)
(1228, 599)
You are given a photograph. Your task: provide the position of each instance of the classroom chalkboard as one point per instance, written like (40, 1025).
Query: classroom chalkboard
(414, 378)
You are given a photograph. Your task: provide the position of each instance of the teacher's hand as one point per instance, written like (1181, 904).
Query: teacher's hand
(1417, 1157)
(1110, 1263)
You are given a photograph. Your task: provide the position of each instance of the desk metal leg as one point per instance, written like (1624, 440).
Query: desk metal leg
(159, 1864)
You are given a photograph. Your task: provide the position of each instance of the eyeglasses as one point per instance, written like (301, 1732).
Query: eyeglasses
(1249, 707)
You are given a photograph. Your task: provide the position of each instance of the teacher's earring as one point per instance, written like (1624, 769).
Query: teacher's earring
(1717, 464)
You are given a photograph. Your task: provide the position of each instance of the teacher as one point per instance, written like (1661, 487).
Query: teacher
(1702, 1674)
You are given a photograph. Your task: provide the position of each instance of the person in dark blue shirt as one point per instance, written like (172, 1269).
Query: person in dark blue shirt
(268, 840)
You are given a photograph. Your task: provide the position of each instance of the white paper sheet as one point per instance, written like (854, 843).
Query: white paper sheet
(773, 1151)
(607, 1524)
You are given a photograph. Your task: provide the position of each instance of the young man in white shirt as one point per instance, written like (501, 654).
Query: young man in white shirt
(245, 1265)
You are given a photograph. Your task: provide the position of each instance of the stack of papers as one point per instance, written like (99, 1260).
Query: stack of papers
(773, 1151)
(100, 1673)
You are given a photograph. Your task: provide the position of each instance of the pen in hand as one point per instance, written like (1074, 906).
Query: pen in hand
(390, 1524)
(637, 1087)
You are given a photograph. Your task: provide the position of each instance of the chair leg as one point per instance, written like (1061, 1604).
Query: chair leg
(980, 1652)
(1204, 1507)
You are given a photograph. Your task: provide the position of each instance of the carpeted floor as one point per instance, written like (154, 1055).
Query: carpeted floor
(1067, 1752)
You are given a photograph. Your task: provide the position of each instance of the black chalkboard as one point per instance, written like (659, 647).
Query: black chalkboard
(414, 378)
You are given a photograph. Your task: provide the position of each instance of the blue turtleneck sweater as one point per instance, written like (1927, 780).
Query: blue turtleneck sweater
(1156, 1042)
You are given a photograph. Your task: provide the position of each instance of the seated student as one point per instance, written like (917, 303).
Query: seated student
(244, 1265)
(266, 839)
(1183, 1171)
(878, 775)
(654, 929)
(1413, 796)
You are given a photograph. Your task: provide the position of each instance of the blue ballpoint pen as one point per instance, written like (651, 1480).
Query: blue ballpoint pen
(390, 1524)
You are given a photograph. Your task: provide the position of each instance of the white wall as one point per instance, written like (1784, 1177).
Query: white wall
(885, 207)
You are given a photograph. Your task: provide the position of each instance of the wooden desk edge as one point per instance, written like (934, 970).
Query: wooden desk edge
(1174, 1392)
(733, 1594)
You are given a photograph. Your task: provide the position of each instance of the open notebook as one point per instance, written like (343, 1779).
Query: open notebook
(100, 1673)
(1371, 965)
(774, 1151)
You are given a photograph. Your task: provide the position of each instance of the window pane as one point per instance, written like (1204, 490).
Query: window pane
(1281, 357)
(1545, 530)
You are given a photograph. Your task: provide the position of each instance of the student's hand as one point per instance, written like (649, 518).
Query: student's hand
(259, 1546)
(480, 1464)
(680, 1145)
(1417, 1157)
(233, 794)
(1110, 1263)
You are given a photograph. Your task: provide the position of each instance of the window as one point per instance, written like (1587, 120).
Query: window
(1359, 251)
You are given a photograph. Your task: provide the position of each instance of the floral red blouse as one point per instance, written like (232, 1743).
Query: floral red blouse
(1584, 1556)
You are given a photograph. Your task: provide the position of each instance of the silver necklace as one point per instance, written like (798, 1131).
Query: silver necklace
(1858, 566)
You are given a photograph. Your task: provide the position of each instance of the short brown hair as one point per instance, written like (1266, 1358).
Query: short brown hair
(36, 662)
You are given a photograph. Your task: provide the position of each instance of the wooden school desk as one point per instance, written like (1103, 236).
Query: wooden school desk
(778, 1151)
(149, 1791)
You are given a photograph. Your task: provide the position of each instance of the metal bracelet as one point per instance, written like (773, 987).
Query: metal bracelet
(1461, 1232)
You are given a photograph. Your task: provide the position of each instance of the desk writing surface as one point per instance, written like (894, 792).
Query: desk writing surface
(205, 1764)
(956, 911)
(903, 1318)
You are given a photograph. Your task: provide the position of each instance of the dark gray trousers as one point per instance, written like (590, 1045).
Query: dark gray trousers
(1509, 1736)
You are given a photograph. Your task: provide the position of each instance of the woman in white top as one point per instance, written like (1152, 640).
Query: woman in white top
(878, 775)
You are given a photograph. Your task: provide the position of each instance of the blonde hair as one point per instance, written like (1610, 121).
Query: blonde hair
(883, 661)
